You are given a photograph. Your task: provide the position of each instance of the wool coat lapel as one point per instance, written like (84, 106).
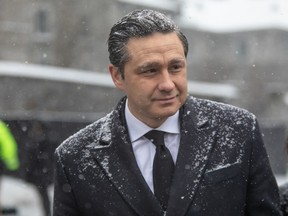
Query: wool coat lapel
(197, 139)
(118, 162)
(117, 159)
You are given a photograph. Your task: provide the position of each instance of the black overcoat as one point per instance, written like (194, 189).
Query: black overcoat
(222, 168)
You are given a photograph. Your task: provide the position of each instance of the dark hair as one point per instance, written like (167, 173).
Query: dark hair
(136, 24)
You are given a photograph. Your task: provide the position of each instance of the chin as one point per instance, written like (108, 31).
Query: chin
(166, 114)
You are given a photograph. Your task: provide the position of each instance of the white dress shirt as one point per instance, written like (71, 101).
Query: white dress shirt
(144, 149)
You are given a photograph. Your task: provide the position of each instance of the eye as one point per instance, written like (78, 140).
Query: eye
(175, 67)
(149, 71)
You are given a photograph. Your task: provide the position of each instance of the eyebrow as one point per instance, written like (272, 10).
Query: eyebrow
(177, 60)
(147, 65)
(150, 64)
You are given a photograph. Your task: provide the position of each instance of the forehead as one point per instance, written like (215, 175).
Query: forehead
(155, 43)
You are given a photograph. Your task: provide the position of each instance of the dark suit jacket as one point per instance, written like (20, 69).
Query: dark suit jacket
(222, 168)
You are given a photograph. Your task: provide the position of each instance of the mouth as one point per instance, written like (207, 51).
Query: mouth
(166, 100)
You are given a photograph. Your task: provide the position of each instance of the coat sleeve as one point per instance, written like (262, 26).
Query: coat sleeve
(64, 202)
(262, 192)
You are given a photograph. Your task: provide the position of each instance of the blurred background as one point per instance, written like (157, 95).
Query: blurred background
(54, 77)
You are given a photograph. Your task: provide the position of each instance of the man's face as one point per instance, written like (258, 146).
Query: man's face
(155, 77)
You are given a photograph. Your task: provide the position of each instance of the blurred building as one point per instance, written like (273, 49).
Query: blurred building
(62, 32)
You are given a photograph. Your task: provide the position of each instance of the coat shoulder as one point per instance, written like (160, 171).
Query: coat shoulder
(218, 109)
(218, 113)
(89, 135)
(206, 105)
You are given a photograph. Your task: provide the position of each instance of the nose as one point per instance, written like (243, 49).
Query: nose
(166, 82)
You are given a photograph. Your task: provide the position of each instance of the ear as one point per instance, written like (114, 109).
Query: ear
(116, 77)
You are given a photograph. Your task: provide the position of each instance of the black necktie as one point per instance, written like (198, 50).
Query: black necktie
(163, 167)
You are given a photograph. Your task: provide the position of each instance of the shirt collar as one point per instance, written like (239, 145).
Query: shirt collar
(137, 128)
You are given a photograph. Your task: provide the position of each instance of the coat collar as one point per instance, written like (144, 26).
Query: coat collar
(115, 154)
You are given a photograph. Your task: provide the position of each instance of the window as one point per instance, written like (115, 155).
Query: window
(42, 21)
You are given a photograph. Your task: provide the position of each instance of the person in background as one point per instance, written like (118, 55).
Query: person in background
(8, 154)
(8, 148)
(160, 151)
(284, 189)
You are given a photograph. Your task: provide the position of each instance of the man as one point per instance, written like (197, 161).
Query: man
(219, 163)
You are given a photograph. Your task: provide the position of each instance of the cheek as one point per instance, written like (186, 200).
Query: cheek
(142, 88)
(183, 92)
(185, 89)
(182, 84)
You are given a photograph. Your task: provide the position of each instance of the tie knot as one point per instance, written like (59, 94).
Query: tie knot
(156, 137)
